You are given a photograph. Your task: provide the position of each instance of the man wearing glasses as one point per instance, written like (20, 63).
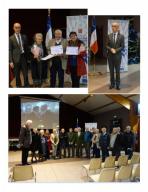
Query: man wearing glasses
(18, 49)
(115, 45)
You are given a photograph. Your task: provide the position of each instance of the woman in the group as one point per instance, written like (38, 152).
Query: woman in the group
(95, 143)
(47, 135)
(76, 63)
(38, 66)
(35, 145)
(54, 138)
(44, 146)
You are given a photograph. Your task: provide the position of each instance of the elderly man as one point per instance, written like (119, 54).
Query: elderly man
(18, 51)
(25, 140)
(128, 141)
(114, 45)
(57, 61)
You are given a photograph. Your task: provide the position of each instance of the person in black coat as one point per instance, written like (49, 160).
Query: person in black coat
(128, 138)
(35, 145)
(104, 143)
(38, 66)
(25, 140)
(63, 139)
(115, 143)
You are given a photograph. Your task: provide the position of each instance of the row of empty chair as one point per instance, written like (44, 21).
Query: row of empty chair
(96, 164)
(125, 173)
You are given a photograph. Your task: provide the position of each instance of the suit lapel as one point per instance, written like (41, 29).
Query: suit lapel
(15, 40)
(118, 37)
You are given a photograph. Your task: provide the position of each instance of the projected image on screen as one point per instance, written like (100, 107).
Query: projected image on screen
(43, 113)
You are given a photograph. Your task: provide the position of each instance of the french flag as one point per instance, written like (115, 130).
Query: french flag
(93, 39)
(49, 29)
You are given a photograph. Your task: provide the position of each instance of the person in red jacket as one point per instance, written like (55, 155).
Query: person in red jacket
(76, 66)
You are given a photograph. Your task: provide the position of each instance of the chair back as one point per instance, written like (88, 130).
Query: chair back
(109, 162)
(107, 175)
(22, 173)
(95, 164)
(122, 160)
(136, 172)
(124, 173)
(135, 159)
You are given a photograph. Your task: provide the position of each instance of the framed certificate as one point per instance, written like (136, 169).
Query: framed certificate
(56, 50)
(71, 50)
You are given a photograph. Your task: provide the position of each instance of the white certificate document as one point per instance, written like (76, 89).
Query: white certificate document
(71, 50)
(56, 50)
(47, 57)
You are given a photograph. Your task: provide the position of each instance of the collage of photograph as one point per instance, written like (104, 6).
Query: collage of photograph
(73, 138)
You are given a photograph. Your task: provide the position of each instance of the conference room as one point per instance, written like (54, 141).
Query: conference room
(74, 138)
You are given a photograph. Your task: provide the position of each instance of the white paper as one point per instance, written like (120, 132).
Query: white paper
(71, 50)
(48, 57)
(56, 50)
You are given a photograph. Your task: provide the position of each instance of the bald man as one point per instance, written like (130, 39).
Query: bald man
(114, 45)
(57, 62)
(18, 48)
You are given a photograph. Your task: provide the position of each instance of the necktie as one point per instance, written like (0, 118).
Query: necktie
(19, 42)
(114, 38)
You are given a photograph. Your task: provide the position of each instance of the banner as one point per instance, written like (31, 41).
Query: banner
(79, 24)
(124, 25)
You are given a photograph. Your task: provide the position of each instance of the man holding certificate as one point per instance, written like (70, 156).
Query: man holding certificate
(57, 47)
(75, 63)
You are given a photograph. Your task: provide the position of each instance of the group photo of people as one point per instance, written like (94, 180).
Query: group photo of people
(80, 138)
(50, 53)
(90, 143)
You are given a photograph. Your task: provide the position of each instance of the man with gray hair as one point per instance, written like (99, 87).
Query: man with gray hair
(57, 61)
(128, 140)
(25, 140)
(115, 45)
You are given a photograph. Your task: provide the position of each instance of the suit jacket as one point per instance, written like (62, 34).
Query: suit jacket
(118, 45)
(14, 48)
(25, 137)
(118, 142)
(79, 139)
(104, 140)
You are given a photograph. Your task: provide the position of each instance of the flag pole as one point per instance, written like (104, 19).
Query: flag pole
(94, 65)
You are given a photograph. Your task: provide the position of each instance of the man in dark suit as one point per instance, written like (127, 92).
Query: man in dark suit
(25, 140)
(104, 142)
(79, 138)
(115, 142)
(128, 141)
(115, 45)
(18, 51)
